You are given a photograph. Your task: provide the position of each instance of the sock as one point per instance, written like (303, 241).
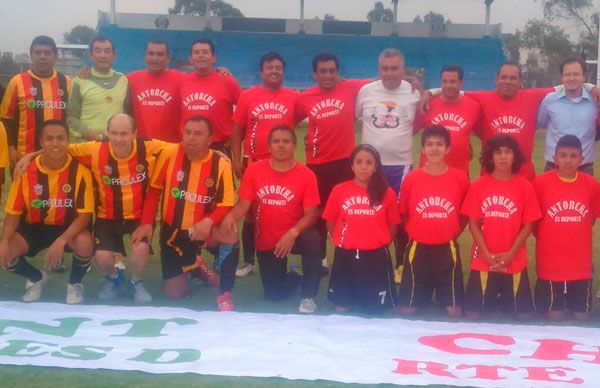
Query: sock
(225, 250)
(227, 266)
(248, 242)
(79, 268)
(22, 268)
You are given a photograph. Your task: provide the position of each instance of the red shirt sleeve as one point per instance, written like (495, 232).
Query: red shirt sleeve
(393, 212)
(405, 193)
(471, 206)
(311, 193)
(246, 190)
(332, 208)
(151, 205)
(240, 115)
(531, 208)
(234, 89)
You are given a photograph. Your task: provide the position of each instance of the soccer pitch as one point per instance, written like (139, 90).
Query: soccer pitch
(247, 296)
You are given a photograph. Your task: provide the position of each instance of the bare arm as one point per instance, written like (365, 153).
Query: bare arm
(286, 242)
(236, 150)
(503, 259)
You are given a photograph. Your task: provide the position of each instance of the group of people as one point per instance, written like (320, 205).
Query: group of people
(104, 148)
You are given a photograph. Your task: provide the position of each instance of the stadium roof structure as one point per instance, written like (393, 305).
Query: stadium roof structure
(241, 41)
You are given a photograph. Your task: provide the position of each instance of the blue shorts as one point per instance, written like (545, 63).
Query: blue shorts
(395, 175)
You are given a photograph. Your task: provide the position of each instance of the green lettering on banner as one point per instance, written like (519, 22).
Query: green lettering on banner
(16, 346)
(151, 356)
(67, 328)
(83, 353)
(147, 327)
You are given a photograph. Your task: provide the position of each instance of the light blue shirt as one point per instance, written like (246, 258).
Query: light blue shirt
(561, 115)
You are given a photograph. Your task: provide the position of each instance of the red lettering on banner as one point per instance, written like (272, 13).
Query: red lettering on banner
(540, 373)
(560, 350)
(447, 343)
(406, 367)
(486, 372)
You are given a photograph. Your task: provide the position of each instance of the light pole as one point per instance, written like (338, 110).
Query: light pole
(488, 7)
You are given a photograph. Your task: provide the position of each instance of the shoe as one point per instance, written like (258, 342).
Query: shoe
(33, 290)
(74, 293)
(119, 261)
(307, 306)
(207, 275)
(398, 274)
(139, 292)
(244, 270)
(108, 292)
(225, 302)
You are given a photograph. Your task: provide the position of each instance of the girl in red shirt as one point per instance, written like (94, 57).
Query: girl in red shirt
(362, 217)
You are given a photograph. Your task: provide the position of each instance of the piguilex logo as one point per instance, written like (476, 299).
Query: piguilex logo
(106, 180)
(36, 203)
(175, 193)
(31, 104)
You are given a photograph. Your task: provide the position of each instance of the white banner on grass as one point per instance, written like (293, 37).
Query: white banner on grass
(338, 348)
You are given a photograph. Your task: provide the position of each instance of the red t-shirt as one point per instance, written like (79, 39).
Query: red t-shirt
(211, 96)
(504, 207)
(460, 119)
(432, 204)
(155, 102)
(564, 234)
(258, 110)
(330, 132)
(280, 199)
(515, 117)
(358, 225)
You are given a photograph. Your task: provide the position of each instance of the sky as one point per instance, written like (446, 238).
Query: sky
(21, 20)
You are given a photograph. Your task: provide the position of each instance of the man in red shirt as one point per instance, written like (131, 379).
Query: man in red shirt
(259, 109)
(286, 197)
(204, 92)
(457, 113)
(330, 108)
(154, 95)
(570, 203)
(430, 201)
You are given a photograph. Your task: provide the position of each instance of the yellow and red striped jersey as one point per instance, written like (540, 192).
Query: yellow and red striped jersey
(191, 190)
(120, 183)
(4, 162)
(51, 197)
(30, 100)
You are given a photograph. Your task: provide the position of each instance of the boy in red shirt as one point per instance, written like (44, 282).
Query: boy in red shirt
(501, 206)
(430, 199)
(362, 218)
(570, 203)
(286, 197)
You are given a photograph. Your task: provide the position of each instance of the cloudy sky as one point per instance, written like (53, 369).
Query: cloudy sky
(21, 20)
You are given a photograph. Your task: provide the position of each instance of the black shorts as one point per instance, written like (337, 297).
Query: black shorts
(431, 267)
(109, 234)
(177, 251)
(488, 290)
(362, 278)
(330, 174)
(576, 295)
(40, 236)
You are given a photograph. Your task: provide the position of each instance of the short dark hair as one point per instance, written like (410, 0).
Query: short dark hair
(436, 130)
(60, 123)
(270, 57)
(43, 40)
(511, 63)
(207, 41)
(568, 141)
(160, 42)
(493, 144)
(454, 69)
(200, 119)
(102, 39)
(283, 128)
(325, 57)
(570, 60)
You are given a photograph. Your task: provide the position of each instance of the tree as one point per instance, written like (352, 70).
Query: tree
(512, 46)
(380, 14)
(329, 17)
(79, 35)
(432, 18)
(198, 7)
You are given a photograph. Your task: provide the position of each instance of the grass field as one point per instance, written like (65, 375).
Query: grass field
(247, 296)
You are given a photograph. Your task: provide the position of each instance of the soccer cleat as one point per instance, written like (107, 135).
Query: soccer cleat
(139, 292)
(307, 306)
(74, 293)
(207, 275)
(119, 261)
(225, 301)
(33, 290)
(244, 270)
(398, 274)
(108, 292)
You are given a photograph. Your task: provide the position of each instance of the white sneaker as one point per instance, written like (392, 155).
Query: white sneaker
(307, 306)
(33, 290)
(74, 293)
(244, 270)
(119, 261)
